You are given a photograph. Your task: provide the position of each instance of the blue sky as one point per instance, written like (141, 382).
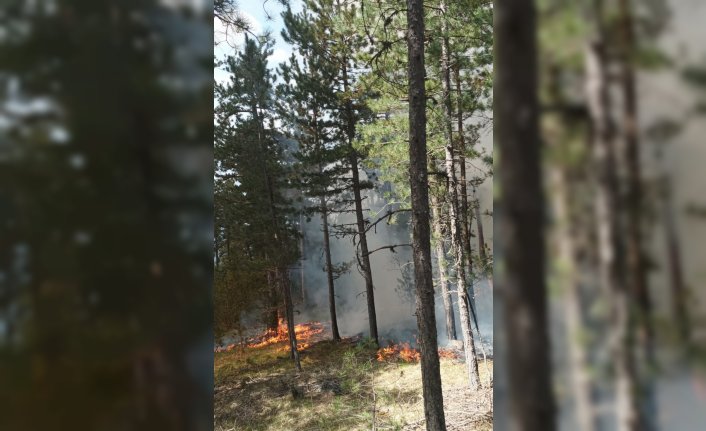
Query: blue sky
(256, 11)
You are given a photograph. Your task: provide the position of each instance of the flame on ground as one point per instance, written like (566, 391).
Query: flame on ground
(305, 332)
(398, 352)
(405, 353)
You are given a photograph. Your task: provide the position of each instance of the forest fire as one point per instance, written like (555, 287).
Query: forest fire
(398, 352)
(405, 353)
(304, 333)
(449, 354)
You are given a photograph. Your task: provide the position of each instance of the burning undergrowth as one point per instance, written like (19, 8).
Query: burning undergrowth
(306, 334)
(404, 352)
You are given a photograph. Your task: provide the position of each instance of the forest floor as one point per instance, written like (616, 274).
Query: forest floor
(342, 386)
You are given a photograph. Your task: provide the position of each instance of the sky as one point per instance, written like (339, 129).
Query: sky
(256, 11)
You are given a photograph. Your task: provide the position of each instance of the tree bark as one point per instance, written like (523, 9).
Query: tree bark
(443, 270)
(465, 301)
(520, 222)
(425, 312)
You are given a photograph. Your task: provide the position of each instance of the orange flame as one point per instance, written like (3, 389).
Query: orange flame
(303, 331)
(403, 352)
(448, 354)
(398, 352)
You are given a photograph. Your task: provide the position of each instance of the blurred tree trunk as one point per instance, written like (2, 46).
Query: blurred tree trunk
(443, 269)
(522, 288)
(421, 244)
(607, 212)
(637, 268)
(465, 302)
(567, 262)
(573, 310)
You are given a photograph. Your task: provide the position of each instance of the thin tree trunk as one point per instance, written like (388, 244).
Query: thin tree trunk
(465, 301)
(520, 222)
(425, 310)
(443, 270)
(360, 218)
(327, 240)
(364, 256)
(329, 271)
(607, 207)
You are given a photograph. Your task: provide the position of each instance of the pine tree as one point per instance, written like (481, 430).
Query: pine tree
(309, 102)
(250, 155)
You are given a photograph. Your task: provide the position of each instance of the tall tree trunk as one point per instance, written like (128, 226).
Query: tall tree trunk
(329, 271)
(426, 319)
(443, 269)
(637, 267)
(465, 301)
(360, 217)
(520, 222)
(607, 207)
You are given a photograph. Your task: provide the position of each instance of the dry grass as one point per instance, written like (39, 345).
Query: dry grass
(342, 387)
